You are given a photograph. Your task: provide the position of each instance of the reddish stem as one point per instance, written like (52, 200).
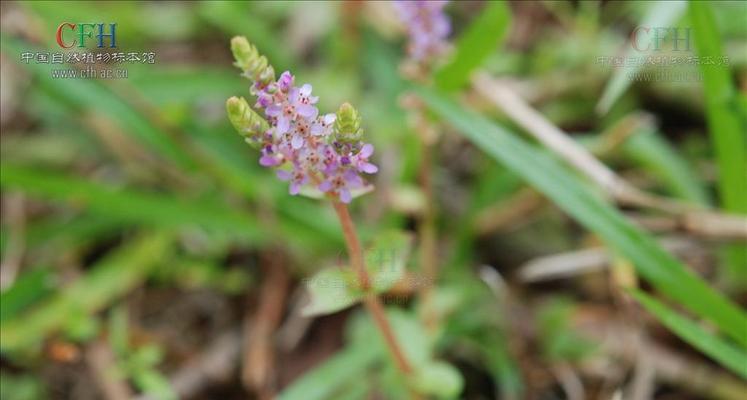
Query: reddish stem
(371, 301)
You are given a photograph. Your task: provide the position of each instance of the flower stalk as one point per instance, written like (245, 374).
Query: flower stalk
(371, 301)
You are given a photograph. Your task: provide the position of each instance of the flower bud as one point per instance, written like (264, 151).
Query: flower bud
(348, 124)
(255, 66)
(246, 122)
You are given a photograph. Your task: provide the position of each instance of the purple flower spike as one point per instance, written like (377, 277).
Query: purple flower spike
(303, 139)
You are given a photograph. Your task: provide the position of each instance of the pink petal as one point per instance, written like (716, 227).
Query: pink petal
(268, 161)
(368, 168)
(366, 150)
(283, 125)
(345, 196)
(273, 110)
(294, 188)
(297, 141)
(283, 175)
(307, 111)
(317, 129)
(329, 118)
(305, 90)
(325, 186)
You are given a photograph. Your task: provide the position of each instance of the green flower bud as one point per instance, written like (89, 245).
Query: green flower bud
(254, 65)
(245, 120)
(348, 124)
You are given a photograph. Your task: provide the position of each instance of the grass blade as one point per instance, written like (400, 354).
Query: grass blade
(653, 152)
(479, 40)
(130, 205)
(661, 13)
(725, 353)
(115, 275)
(727, 127)
(576, 198)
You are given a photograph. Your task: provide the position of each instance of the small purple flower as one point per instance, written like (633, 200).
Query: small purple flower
(297, 178)
(285, 82)
(341, 184)
(360, 160)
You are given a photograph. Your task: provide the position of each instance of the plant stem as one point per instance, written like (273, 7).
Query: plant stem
(428, 240)
(371, 301)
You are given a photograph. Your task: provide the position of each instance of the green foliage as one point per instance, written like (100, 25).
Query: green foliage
(725, 353)
(573, 196)
(326, 379)
(475, 45)
(727, 125)
(129, 205)
(20, 387)
(111, 278)
(438, 379)
(26, 290)
(138, 364)
(559, 342)
(387, 257)
(649, 149)
(660, 13)
(334, 289)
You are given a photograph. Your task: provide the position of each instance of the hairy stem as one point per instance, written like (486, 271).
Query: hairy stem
(371, 301)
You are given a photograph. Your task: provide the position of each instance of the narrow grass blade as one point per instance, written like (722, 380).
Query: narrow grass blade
(479, 40)
(724, 353)
(129, 205)
(568, 192)
(661, 13)
(112, 277)
(727, 125)
(653, 152)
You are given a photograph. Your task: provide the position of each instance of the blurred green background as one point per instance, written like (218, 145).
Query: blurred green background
(134, 218)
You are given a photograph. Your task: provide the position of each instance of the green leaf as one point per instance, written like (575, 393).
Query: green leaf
(115, 275)
(27, 289)
(651, 150)
(411, 336)
(154, 384)
(130, 205)
(480, 39)
(660, 13)
(572, 195)
(725, 353)
(323, 381)
(727, 125)
(386, 259)
(332, 290)
(438, 379)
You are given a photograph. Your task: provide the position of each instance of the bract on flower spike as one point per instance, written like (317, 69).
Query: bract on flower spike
(246, 121)
(308, 149)
(255, 66)
(348, 124)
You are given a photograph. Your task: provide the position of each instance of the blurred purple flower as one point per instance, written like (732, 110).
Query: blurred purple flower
(427, 26)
